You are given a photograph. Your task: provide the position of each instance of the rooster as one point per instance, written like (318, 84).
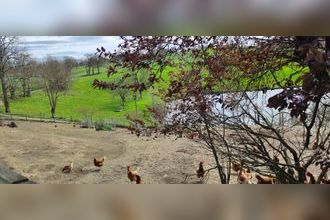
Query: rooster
(200, 171)
(68, 168)
(99, 163)
(265, 179)
(132, 175)
(311, 178)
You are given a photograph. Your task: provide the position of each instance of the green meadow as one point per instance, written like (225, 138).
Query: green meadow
(83, 102)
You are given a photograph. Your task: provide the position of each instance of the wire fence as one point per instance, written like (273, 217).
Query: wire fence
(87, 122)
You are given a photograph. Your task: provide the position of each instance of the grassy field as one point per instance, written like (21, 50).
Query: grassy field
(83, 102)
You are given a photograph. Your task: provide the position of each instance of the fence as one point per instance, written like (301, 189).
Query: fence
(42, 118)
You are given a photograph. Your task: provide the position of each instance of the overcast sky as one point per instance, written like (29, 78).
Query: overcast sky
(60, 46)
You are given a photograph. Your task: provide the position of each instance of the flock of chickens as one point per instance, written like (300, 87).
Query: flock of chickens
(244, 176)
(132, 175)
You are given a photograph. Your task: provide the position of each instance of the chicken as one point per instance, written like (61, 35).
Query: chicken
(311, 178)
(248, 173)
(68, 168)
(200, 171)
(315, 146)
(132, 175)
(236, 167)
(265, 179)
(325, 181)
(99, 163)
(244, 177)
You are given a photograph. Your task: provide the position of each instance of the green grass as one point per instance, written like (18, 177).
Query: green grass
(81, 100)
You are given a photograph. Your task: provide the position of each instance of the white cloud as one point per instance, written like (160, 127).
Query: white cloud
(59, 46)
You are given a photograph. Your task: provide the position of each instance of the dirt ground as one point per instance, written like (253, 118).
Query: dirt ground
(40, 150)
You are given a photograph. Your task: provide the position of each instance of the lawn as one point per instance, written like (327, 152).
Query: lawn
(81, 102)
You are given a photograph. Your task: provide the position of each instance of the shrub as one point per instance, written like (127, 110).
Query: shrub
(103, 126)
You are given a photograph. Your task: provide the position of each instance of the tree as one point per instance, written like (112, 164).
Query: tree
(8, 51)
(56, 78)
(233, 126)
(28, 70)
(23, 68)
(92, 62)
(70, 62)
(12, 80)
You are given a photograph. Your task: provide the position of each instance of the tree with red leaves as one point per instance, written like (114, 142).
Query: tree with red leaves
(234, 126)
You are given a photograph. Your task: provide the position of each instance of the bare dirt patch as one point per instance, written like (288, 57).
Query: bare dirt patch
(40, 150)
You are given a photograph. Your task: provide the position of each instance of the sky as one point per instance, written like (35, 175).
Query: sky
(60, 46)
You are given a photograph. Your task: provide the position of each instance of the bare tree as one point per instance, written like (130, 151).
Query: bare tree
(93, 62)
(56, 79)
(21, 72)
(12, 81)
(70, 62)
(8, 51)
(27, 72)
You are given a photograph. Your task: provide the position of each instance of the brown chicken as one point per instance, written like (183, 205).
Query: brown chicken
(325, 181)
(99, 163)
(311, 178)
(244, 177)
(132, 175)
(200, 171)
(236, 167)
(248, 173)
(315, 146)
(68, 168)
(265, 179)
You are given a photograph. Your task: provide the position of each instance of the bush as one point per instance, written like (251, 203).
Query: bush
(103, 126)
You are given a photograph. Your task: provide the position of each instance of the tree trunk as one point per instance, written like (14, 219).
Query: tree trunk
(88, 70)
(12, 92)
(28, 90)
(23, 88)
(52, 111)
(5, 94)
